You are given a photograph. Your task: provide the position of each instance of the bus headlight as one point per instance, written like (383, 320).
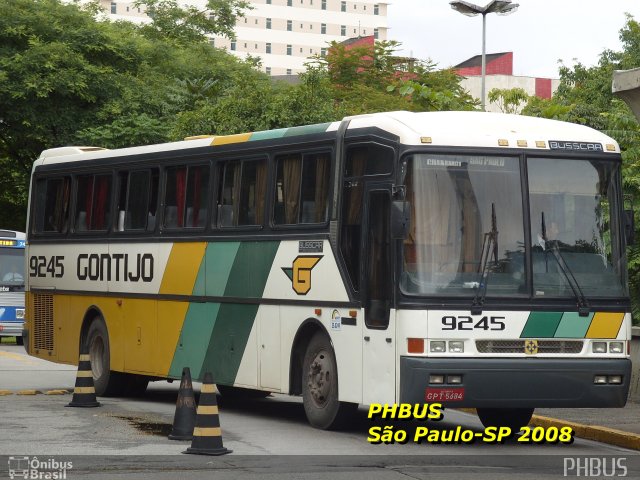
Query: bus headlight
(437, 347)
(599, 347)
(456, 346)
(616, 347)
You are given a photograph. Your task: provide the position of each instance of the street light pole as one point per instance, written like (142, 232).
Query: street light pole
(500, 7)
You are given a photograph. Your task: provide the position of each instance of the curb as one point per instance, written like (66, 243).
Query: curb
(592, 432)
(596, 433)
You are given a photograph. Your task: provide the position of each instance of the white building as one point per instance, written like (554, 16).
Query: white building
(285, 33)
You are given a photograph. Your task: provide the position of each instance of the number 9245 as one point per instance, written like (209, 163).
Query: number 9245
(470, 323)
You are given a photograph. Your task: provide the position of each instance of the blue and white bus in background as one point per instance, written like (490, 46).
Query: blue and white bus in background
(12, 284)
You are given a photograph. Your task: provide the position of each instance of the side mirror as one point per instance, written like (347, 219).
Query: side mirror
(629, 227)
(400, 219)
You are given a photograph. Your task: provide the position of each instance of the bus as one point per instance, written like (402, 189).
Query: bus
(12, 284)
(470, 259)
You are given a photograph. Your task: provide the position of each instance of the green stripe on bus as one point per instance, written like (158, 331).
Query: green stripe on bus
(541, 325)
(307, 129)
(247, 277)
(251, 269)
(219, 260)
(573, 325)
(228, 341)
(194, 339)
(268, 134)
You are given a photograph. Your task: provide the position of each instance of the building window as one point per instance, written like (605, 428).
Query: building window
(288, 71)
(256, 21)
(343, 30)
(301, 26)
(233, 45)
(323, 52)
(113, 8)
(245, 46)
(268, 70)
(268, 2)
(268, 48)
(127, 9)
(301, 50)
(323, 28)
(323, 5)
(289, 3)
(289, 25)
(343, 6)
(376, 9)
(375, 33)
(212, 42)
(289, 50)
(268, 23)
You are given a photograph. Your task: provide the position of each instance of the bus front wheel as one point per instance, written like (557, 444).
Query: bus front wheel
(320, 386)
(514, 418)
(105, 381)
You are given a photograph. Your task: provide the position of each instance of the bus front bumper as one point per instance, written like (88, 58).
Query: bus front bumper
(514, 382)
(11, 329)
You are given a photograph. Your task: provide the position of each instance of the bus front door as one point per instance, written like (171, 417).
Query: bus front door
(379, 349)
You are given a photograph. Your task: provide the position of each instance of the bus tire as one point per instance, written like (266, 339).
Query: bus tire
(514, 418)
(106, 382)
(19, 341)
(320, 386)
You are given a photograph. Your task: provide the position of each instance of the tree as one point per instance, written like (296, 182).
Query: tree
(508, 100)
(188, 24)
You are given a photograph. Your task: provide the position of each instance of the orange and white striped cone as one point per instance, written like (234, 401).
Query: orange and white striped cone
(207, 436)
(84, 393)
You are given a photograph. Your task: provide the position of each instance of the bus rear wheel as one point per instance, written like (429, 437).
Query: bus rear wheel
(514, 418)
(106, 382)
(19, 341)
(320, 387)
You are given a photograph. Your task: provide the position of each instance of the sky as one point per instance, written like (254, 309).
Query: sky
(539, 33)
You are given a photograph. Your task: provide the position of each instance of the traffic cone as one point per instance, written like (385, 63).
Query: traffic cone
(185, 417)
(84, 393)
(207, 437)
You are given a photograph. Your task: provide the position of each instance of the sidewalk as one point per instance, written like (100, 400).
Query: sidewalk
(615, 426)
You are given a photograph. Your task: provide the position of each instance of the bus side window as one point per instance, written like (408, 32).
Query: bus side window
(93, 202)
(185, 196)
(242, 193)
(301, 188)
(133, 200)
(52, 205)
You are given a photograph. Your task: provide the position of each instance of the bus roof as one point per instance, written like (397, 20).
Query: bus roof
(450, 129)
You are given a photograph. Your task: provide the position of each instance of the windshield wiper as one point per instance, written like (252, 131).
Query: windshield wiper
(489, 248)
(582, 303)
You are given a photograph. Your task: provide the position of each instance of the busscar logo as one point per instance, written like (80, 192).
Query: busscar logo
(300, 272)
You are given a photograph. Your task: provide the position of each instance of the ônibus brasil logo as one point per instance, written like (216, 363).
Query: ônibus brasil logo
(34, 468)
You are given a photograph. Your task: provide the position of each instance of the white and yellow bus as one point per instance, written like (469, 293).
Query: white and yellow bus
(467, 258)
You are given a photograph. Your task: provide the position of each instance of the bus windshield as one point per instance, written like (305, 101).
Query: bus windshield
(462, 204)
(575, 199)
(12, 267)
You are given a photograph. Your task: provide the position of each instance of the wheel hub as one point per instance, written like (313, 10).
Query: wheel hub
(319, 378)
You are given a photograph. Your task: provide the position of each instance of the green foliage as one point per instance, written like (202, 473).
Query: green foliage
(188, 24)
(509, 100)
(584, 96)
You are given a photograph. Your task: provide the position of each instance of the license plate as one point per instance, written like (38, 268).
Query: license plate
(444, 394)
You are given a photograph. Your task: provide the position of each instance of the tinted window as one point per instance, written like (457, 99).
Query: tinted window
(186, 196)
(93, 202)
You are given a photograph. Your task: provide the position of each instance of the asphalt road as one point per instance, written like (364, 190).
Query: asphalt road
(270, 438)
